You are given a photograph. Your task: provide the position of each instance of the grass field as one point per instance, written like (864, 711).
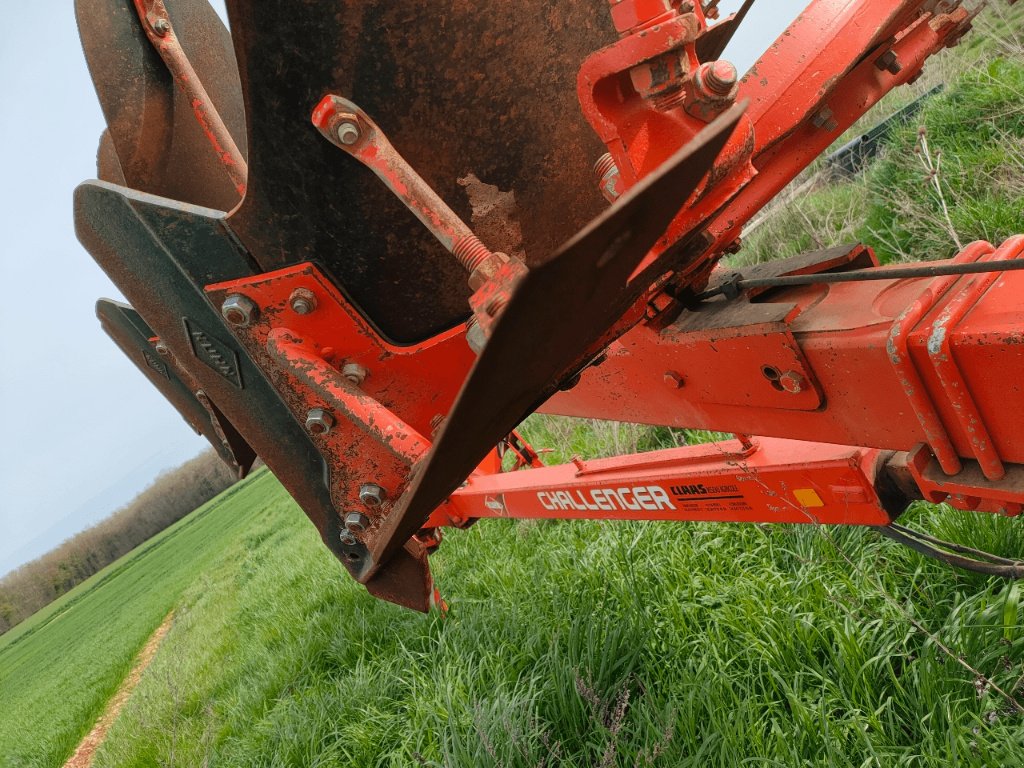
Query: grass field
(579, 643)
(571, 644)
(59, 667)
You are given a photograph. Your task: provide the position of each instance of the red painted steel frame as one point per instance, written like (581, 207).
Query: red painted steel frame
(888, 365)
(767, 481)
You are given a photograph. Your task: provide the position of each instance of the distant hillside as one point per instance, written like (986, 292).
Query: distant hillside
(172, 495)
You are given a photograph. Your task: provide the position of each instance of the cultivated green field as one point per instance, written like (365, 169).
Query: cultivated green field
(581, 644)
(59, 667)
(576, 644)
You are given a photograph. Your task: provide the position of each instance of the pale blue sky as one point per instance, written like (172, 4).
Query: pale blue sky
(81, 430)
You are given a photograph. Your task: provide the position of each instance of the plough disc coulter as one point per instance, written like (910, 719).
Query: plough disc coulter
(365, 240)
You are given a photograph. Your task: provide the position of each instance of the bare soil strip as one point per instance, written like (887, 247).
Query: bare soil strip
(82, 758)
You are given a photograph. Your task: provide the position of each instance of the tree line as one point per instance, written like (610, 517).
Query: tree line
(166, 500)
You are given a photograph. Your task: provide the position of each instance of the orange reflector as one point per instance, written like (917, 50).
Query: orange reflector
(808, 497)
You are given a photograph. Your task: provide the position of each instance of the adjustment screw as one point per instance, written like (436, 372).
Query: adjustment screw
(356, 522)
(355, 373)
(239, 310)
(319, 421)
(302, 301)
(347, 132)
(372, 495)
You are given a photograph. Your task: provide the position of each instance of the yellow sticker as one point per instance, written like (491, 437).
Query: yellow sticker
(808, 497)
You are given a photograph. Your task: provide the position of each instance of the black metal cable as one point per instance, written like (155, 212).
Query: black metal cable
(1007, 569)
(735, 283)
(954, 547)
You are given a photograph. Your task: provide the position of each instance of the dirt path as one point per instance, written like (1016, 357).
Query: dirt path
(82, 758)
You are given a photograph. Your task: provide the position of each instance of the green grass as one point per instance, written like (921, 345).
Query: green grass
(59, 667)
(646, 644)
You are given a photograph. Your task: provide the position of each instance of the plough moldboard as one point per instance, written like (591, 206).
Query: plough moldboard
(364, 241)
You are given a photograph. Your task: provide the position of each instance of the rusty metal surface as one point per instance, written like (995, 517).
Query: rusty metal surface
(459, 89)
(161, 147)
(559, 311)
(155, 20)
(160, 254)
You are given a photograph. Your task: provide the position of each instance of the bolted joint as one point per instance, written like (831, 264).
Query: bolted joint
(356, 522)
(239, 310)
(347, 132)
(302, 301)
(319, 421)
(372, 495)
(609, 180)
(825, 119)
(487, 269)
(354, 373)
(712, 90)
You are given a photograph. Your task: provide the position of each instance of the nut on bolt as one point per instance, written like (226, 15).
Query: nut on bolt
(319, 421)
(302, 301)
(346, 538)
(355, 373)
(356, 522)
(372, 495)
(239, 310)
(346, 128)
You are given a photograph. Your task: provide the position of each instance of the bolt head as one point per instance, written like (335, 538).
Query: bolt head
(356, 522)
(161, 27)
(319, 421)
(347, 539)
(355, 373)
(239, 310)
(161, 349)
(673, 380)
(347, 132)
(302, 301)
(372, 495)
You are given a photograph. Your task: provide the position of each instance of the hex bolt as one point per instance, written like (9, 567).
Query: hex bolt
(372, 495)
(161, 349)
(889, 62)
(302, 301)
(347, 132)
(356, 522)
(239, 310)
(346, 538)
(825, 119)
(719, 77)
(609, 180)
(161, 27)
(355, 373)
(673, 380)
(319, 421)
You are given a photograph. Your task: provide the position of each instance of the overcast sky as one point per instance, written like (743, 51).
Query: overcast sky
(82, 430)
